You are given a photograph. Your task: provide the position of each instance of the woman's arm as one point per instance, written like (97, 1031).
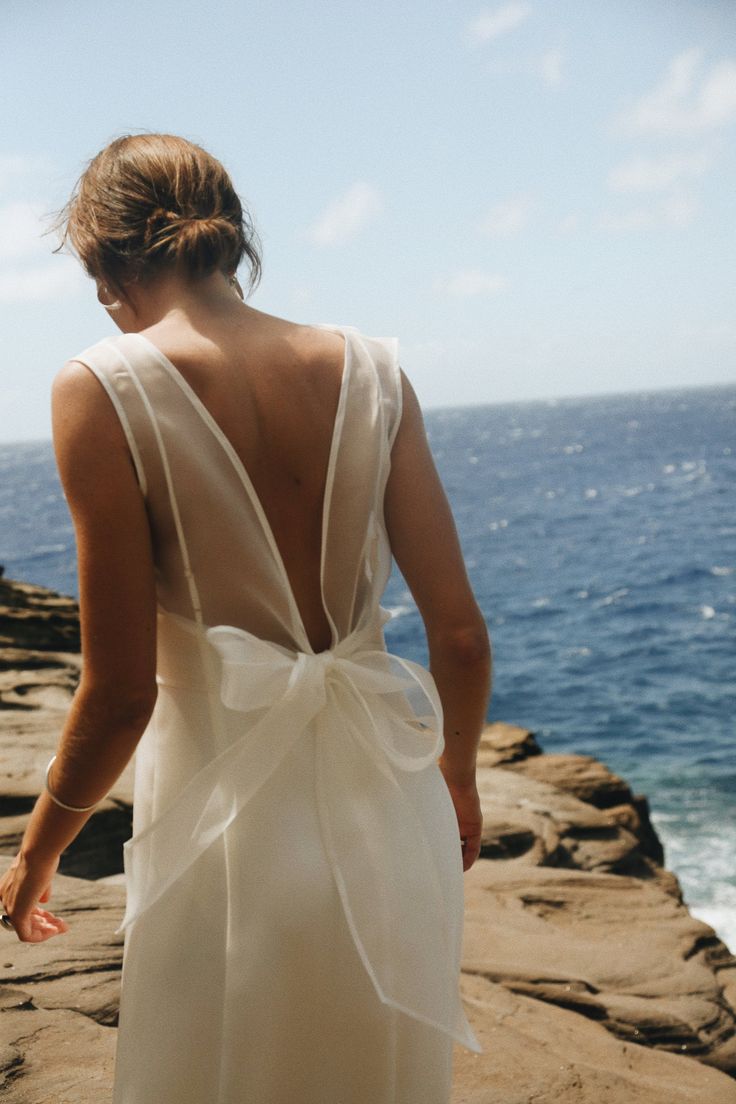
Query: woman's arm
(425, 545)
(117, 608)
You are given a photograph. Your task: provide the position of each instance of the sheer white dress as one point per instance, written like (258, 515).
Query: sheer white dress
(294, 918)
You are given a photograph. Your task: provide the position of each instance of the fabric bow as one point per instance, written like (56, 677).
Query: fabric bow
(374, 714)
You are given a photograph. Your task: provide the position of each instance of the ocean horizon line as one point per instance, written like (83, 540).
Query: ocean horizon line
(542, 400)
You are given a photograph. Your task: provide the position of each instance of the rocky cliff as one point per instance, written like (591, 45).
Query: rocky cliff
(585, 977)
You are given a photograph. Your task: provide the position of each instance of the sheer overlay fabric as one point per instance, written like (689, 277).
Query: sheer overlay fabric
(293, 926)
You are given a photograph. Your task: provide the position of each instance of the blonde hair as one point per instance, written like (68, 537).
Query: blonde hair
(151, 202)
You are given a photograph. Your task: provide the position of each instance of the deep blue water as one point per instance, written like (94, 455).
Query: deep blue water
(600, 537)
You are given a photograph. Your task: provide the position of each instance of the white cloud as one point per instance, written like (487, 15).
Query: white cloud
(492, 23)
(508, 218)
(29, 273)
(683, 102)
(550, 67)
(654, 174)
(20, 230)
(472, 281)
(676, 209)
(56, 279)
(347, 215)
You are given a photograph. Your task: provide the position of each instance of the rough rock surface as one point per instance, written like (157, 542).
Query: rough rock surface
(59, 1000)
(37, 618)
(538, 1053)
(37, 680)
(585, 977)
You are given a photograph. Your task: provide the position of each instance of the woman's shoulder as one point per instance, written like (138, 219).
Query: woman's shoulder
(99, 351)
(383, 350)
(384, 355)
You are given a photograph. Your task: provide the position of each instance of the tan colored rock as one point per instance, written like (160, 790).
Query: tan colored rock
(80, 969)
(592, 782)
(538, 1053)
(584, 975)
(506, 743)
(535, 822)
(59, 1000)
(38, 618)
(36, 688)
(582, 775)
(54, 1057)
(616, 950)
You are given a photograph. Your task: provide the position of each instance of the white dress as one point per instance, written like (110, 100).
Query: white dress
(294, 918)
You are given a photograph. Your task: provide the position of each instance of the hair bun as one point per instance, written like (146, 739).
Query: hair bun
(161, 214)
(149, 202)
(199, 239)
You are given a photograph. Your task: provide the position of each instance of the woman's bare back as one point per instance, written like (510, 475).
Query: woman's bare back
(273, 388)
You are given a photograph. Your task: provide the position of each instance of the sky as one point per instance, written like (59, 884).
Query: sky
(536, 197)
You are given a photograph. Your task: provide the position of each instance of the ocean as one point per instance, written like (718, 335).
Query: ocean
(600, 538)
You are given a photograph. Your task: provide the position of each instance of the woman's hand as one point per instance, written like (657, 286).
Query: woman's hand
(25, 882)
(466, 800)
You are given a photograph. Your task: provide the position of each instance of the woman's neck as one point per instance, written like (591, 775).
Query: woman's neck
(170, 298)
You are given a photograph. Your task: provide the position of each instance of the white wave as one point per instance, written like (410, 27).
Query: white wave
(702, 859)
(716, 570)
(722, 919)
(707, 612)
(614, 597)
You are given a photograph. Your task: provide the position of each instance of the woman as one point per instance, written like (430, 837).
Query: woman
(302, 813)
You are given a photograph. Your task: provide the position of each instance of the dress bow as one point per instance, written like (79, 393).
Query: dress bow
(375, 715)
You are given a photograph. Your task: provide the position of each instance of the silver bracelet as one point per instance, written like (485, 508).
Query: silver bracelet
(71, 808)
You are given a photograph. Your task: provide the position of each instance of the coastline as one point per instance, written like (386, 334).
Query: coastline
(583, 971)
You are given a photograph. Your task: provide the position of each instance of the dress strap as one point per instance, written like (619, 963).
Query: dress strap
(175, 512)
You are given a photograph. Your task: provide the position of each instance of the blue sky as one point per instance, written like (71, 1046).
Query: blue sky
(535, 197)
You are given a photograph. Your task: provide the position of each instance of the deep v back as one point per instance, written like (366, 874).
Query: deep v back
(241, 469)
(216, 556)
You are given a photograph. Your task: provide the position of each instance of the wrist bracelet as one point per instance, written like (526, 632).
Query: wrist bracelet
(71, 808)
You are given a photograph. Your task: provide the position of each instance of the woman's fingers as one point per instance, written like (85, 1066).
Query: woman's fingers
(46, 921)
(40, 925)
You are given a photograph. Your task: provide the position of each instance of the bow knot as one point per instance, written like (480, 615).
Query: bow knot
(376, 717)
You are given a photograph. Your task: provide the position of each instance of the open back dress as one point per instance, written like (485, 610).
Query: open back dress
(294, 918)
